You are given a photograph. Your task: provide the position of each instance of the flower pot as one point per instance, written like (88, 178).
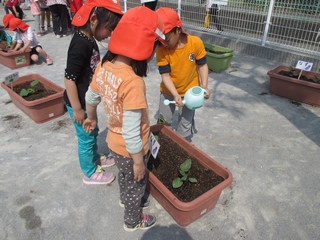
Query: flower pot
(40, 110)
(13, 60)
(185, 213)
(218, 58)
(295, 89)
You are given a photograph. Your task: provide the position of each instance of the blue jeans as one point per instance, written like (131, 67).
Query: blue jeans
(87, 146)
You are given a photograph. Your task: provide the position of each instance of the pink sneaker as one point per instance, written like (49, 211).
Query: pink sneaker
(49, 61)
(99, 177)
(106, 161)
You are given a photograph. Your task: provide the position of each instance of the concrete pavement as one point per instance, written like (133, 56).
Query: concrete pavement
(270, 145)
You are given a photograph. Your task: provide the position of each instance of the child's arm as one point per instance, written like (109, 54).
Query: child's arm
(132, 137)
(203, 75)
(139, 169)
(17, 47)
(25, 46)
(92, 101)
(90, 123)
(172, 89)
(72, 92)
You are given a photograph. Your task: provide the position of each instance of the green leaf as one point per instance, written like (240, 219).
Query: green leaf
(186, 165)
(176, 183)
(24, 92)
(31, 90)
(184, 178)
(34, 83)
(182, 172)
(193, 180)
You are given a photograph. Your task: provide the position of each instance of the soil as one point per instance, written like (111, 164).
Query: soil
(166, 168)
(295, 74)
(40, 91)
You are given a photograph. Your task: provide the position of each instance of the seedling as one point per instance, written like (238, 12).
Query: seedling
(25, 92)
(183, 172)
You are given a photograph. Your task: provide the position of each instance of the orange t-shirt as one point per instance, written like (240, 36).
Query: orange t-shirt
(182, 61)
(121, 89)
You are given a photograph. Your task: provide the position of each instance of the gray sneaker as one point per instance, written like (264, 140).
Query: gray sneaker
(148, 221)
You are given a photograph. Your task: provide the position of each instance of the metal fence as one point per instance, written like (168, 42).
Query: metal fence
(289, 24)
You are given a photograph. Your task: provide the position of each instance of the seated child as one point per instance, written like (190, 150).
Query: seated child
(26, 39)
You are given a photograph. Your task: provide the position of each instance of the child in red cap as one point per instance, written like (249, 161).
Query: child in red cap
(6, 18)
(25, 39)
(118, 83)
(182, 65)
(95, 20)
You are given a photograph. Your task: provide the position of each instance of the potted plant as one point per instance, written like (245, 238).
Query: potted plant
(201, 182)
(218, 58)
(295, 84)
(13, 60)
(36, 96)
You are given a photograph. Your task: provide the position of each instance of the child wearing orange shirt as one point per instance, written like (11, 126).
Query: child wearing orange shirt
(182, 65)
(118, 83)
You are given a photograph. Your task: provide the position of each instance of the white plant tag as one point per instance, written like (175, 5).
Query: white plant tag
(11, 78)
(154, 146)
(305, 66)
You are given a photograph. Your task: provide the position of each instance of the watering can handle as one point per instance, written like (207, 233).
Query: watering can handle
(167, 102)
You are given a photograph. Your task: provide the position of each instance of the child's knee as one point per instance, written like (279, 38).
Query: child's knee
(34, 57)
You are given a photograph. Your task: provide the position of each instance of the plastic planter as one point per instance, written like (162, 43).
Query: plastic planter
(185, 213)
(40, 110)
(295, 89)
(13, 60)
(218, 58)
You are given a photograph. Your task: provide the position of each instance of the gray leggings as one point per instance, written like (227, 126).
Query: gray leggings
(131, 192)
(185, 125)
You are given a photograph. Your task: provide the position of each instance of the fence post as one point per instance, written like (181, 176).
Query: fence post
(179, 8)
(268, 22)
(125, 5)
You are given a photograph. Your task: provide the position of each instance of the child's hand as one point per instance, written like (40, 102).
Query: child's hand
(178, 100)
(89, 125)
(78, 116)
(139, 171)
(208, 94)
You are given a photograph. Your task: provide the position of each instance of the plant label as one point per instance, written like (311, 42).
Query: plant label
(154, 145)
(305, 66)
(11, 78)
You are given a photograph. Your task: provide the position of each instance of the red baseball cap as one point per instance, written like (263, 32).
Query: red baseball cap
(135, 34)
(82, 15)
(6, 18)
(15, 23)
(169, 18)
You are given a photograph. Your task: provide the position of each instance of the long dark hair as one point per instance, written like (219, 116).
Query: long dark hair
(103, 16)
(139, 67)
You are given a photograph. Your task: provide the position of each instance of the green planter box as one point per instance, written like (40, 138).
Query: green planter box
(218, 58)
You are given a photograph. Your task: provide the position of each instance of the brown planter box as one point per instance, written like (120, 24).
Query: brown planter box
(294, 89)
(40, 110)
(13, 60)
(185, 213)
